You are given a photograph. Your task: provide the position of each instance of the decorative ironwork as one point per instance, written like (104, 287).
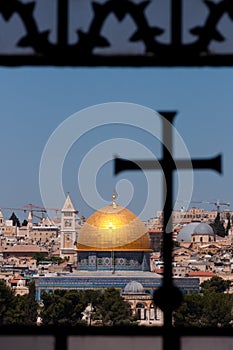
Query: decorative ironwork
(144, 32)
(83, 52)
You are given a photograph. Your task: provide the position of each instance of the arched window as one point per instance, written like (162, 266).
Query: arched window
(152, 312)
(141, 311)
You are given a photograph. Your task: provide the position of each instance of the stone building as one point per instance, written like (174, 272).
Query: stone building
(195, 234)
(18, 284)
(43, 232)
(142, 304)
(7, 229)
(156, 239)
(22, 251)
(184, 216)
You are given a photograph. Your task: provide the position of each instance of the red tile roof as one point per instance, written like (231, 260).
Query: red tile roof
(16, 279)
(201, 274)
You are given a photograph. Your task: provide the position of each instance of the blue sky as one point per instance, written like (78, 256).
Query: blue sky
(35, 101)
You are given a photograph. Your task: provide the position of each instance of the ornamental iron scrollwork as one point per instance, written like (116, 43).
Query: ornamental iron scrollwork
(89, 40)
(144, 32)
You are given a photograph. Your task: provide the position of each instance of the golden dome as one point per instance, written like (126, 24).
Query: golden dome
(113, 228)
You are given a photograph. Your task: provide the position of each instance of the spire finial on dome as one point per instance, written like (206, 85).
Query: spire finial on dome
(114, 196)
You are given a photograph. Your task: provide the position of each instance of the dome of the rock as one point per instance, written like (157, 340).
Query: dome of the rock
(113, 238)
(113, 227)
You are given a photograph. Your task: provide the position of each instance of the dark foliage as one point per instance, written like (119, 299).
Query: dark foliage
(15, 220)
(218, 227)
(16, 309)
(66, 308)
(211, 308)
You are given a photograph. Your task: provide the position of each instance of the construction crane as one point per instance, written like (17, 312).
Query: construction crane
(46, 209)
(217, 203)
(36, 207)
(33, 209)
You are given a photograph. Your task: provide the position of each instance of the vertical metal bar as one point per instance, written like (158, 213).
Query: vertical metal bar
(176, 23)
(62, 22)
(61, 341)
(169, 337)
(168, 199)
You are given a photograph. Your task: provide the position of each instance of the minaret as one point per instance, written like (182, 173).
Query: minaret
(68, 231)
(2, 220)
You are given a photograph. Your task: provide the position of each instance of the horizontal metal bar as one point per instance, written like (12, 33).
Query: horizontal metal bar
(116, 61)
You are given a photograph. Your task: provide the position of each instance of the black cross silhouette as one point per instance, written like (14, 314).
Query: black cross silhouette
(168, 297)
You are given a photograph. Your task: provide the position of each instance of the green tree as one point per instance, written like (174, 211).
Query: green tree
(175, 244)
(113, 310)
(15, 219)
(7, 298)
(55, 259)
(189, 314)
(17, 309)
(217, 310)
(25, 222)
(208, 310)
(62, 308)
(39, 257)
(218, 226)
(90, 297)
(212, 308)
(32, 305)
(24, 311)
(215, 284)
(66, 307)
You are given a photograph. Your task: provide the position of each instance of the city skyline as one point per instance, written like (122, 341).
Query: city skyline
(35, 101)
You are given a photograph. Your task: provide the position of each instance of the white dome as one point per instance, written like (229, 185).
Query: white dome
(203, 229)
(133, 287)
(185, 234)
